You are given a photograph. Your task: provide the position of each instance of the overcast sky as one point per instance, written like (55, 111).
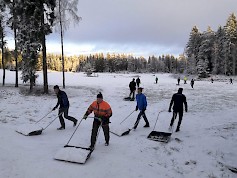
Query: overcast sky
(140, 27)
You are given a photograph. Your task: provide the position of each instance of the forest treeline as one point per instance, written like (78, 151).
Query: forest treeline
(109, 63)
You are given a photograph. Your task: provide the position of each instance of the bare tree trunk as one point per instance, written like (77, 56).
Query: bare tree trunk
(234, 58)
(45, 76)
(3, 63)
(15, 51)
(61, 32)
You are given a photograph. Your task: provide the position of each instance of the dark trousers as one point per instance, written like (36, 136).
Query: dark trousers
(175, 113)
(132, 92)
(142, 113)
(64, 111)
(94, 133)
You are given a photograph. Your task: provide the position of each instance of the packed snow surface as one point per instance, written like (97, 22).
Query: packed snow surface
(206, 143)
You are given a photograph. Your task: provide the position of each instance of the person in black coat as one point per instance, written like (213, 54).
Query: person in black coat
(63, 104)
(178, 80)
(177, 101)
(192, 83)
(132, 86)
(138, 81)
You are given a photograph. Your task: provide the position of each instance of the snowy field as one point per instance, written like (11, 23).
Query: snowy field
(206, 143)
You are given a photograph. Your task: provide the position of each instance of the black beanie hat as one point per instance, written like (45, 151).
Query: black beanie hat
(56, 87)
(100, 95)
(180, 90)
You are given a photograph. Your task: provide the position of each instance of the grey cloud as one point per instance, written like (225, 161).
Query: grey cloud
(165, 23)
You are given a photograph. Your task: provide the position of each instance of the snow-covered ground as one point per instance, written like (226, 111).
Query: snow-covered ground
(208, 135)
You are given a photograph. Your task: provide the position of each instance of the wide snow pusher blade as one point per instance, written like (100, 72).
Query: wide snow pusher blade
(159, 136)
(120, 131)
(29, 130)
(73, 154)
(34, 129)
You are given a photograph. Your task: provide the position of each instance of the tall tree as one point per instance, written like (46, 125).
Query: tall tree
(2, 35)
(65, 13)
(13, 24)
(47, 18)
(35, 20)
(192, 47)
(231, 35)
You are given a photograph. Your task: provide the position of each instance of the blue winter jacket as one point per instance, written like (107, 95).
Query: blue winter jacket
(141, 101)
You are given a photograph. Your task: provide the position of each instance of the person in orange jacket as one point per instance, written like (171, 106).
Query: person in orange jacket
(102, 112)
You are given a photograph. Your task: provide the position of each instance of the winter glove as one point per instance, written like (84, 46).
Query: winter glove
(84, 117)
(99, 119)
(144, 110)
(186, 110)
(136, 108)
(105, 120)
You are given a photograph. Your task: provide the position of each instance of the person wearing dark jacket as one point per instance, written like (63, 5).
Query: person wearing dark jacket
(132, 87)
(178, 80)
(141, 105)
(192, 83)
(63, 104)
(138, 81)
(177, 101)
(102, 112)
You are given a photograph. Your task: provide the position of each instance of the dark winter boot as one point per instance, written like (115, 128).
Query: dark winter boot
(147, 125)
(106, 143)
(91, 147)
(177, 130)
(75, 123)
(61, 128)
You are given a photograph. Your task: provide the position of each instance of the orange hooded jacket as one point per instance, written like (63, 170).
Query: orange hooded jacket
(101, 110)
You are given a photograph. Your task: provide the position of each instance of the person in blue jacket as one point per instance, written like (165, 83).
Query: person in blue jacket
(141, 105)
(63, 104)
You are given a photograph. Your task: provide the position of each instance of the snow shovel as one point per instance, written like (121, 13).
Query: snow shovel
(159, 136)
(122, 131)
(34, 129)
(74, 154)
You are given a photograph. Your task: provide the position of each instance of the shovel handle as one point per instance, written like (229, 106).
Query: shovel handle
(53, 120)
(127, 117)
(157, 118)
(43, 117)
(74, 132)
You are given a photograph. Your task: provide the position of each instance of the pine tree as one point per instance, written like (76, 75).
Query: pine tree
(192, 48)
(231, 36)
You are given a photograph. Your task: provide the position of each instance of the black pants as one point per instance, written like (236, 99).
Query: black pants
(175, 113)
(142, 113)
(95, 128)
(132, 92)
(64, 111)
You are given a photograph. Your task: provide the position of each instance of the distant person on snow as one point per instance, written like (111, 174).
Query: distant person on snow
(185, 80)
(178, 80)
(138, 81)
(141, 105)
(156, 79)
(102, 112)
(64, 107)
(132, 86)
(212, 80)
(192, 83)
(231, 81)
(178, 100)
